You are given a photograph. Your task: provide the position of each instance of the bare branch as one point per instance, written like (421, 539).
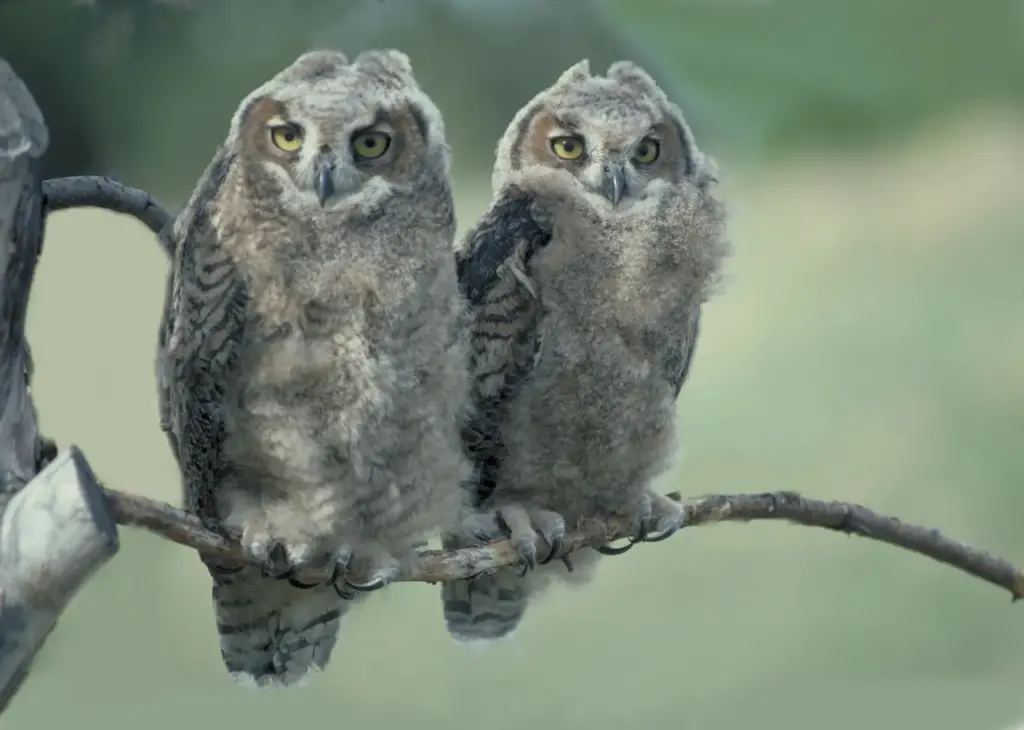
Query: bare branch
(437, 566)
(91, 191)
(55, 528)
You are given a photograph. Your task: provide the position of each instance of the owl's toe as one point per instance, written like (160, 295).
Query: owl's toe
(374, 585)
(276, 563)
(609, 550)
(380, 577)
(641, 519)
(278, 558)
(667, 518)
(482, 528)
(515, 522)
(551, 527)
(377, 565)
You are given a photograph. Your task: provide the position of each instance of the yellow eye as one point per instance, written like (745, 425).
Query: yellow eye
(647, 151)
(286, 137)
(370, 145)
(568, 148)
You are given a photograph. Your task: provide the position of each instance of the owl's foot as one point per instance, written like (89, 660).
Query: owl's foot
(524, 525)
(325, 572)
(372, 562)
(282, 553)
(657, 518)
(666, 518)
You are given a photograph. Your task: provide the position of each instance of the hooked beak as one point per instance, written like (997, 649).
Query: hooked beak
(614, 185)
(323, 181)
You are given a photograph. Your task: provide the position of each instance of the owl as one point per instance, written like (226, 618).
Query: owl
(313, 366)
(585, 279)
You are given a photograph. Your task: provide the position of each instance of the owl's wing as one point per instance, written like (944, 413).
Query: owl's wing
(493, 276)
(680, 358)
(202, 331)
(163, 375)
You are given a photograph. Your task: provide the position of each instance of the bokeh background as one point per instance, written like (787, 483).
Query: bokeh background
(869, 347)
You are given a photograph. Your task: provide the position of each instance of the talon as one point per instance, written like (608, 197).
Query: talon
(303, 586)
(641, 535)
(366, 587)
(267, 571)
(224, 570)
(609, 550)
(557, 547)
(342, 590)
(336, 573)
(567, 560)
(502, 525)
(276, 564)
(523, 570)
(529, 559)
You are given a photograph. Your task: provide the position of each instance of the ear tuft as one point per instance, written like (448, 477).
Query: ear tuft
(391, 64)
(314, 65)
(630, 74)
(574, 74)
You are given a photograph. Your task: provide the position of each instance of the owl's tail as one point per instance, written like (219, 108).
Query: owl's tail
(273, 634)
(485, 608)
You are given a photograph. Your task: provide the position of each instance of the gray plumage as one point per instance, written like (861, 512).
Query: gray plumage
(312, 372)
(586, 277)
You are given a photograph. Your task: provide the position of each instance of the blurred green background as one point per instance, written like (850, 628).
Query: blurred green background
(869, 347)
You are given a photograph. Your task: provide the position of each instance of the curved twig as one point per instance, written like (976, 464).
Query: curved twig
(439, 566)
(93, 191)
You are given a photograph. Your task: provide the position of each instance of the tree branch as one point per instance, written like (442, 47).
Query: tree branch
(55, 528)
(54, 535)
(438, 566)
(91, 191)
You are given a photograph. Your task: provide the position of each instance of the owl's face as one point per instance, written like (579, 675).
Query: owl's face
(613, 138)
(327, 130)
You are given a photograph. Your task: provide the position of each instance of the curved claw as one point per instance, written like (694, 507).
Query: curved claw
(343, 591)
(221, 570)
(303, 586)
(287, 574)
(365, 587)
(557, 548)
(641, 535)
(609, 550)
(523, 570)
(502, 524)
(338, 584)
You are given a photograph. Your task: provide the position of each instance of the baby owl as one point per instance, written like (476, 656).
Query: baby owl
(586, 279)
(313, 374)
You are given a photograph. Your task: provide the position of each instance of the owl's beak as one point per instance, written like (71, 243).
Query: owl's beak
(614, 185)
(323, 183)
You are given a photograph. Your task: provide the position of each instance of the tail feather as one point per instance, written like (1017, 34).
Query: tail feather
(485, 608)
(273, 634)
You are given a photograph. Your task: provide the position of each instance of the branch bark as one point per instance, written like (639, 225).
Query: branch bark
(23, 140)
(91, 191)
(55, 527)
(436, 566)
(54, 535)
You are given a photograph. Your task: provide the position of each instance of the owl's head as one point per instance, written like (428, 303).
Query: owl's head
(613, 138)
(332, 133)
